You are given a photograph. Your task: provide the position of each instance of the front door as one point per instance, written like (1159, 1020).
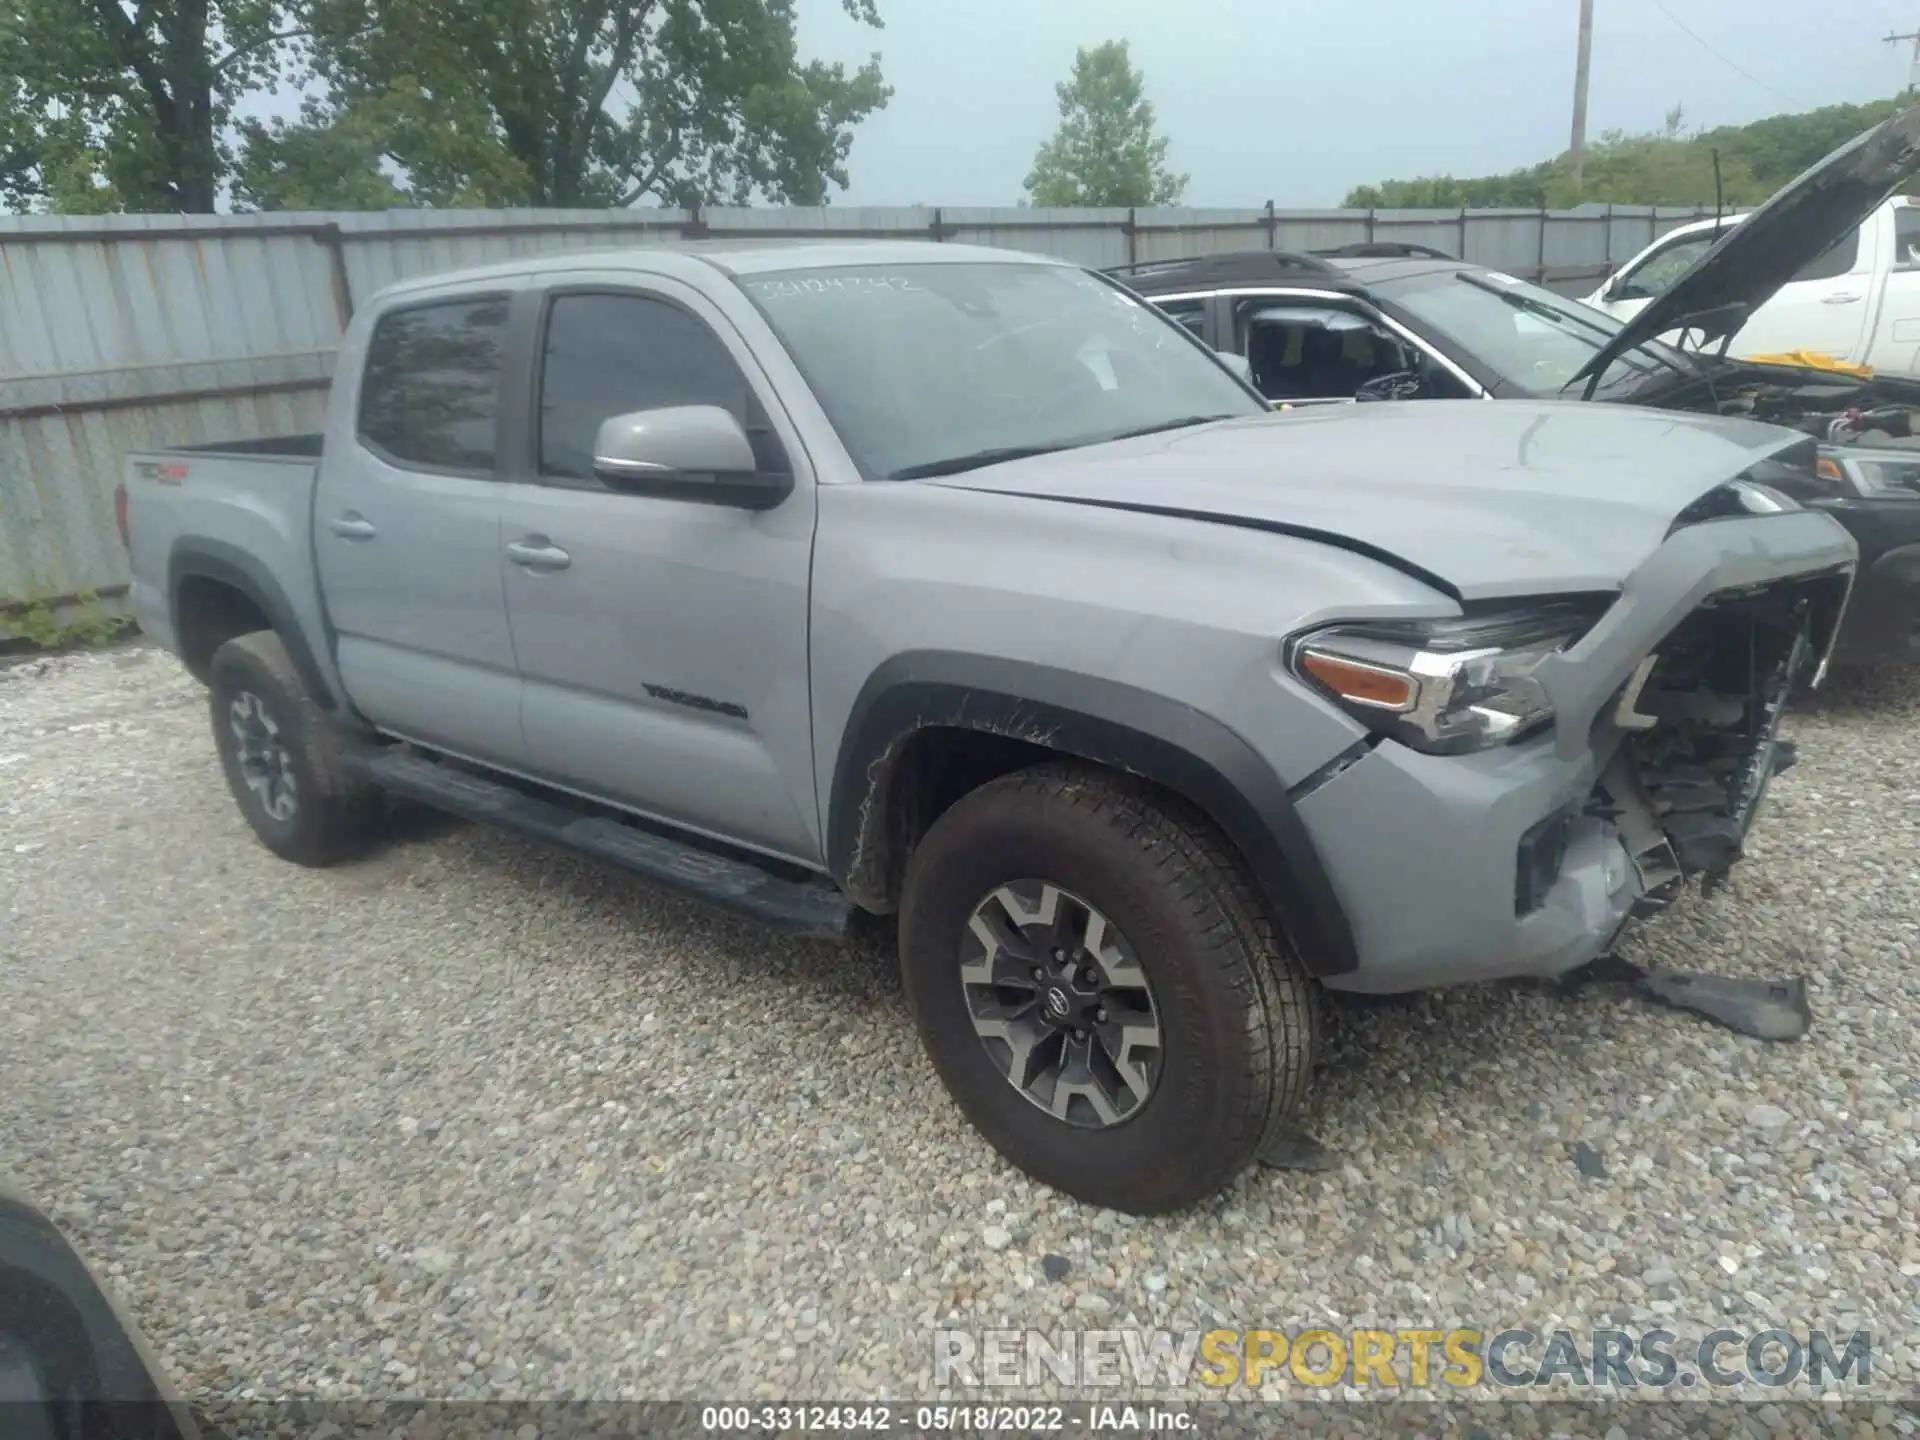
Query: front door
(1824, 308)
(662, 640)
(407, 530)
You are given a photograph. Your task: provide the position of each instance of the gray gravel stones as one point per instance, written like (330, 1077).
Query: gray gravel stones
(471, 1118)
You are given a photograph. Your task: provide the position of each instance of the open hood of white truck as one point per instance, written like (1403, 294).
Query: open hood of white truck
(1748, 265)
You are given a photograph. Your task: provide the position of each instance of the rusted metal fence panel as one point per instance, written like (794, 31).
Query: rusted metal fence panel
(134, 331)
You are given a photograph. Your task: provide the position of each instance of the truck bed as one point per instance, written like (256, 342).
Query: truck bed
(284, 447)
(234, 512)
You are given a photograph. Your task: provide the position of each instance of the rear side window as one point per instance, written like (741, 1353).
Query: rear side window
(430, 391)
(609, 355)
(1906, 236)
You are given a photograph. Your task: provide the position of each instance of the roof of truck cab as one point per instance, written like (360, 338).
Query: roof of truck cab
(731, 257)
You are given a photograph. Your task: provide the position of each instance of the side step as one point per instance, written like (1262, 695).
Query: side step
(797, 907)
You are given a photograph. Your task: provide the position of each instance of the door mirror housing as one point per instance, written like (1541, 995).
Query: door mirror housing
(690, 452)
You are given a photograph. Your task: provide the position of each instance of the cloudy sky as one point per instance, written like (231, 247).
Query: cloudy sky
(1298, 100)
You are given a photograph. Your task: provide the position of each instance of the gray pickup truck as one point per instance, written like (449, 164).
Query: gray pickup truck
(965, 589)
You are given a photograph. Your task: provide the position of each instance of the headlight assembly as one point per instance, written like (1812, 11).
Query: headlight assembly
(1444, 686)
(1876, 474)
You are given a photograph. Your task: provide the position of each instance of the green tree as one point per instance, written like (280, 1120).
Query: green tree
(125, 104)
(564, 103)
(1669, 167)
(1105, 151)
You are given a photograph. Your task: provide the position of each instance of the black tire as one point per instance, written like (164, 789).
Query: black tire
(1236, 1012)
(333, 814)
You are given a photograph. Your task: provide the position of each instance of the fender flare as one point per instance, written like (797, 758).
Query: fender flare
(1101, 721)
(231, 566)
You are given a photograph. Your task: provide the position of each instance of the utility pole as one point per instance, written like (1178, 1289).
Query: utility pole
(1579, 146)
(1913, 75)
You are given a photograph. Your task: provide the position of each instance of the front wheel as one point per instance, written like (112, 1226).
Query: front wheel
(1101, 990)
(283, 758)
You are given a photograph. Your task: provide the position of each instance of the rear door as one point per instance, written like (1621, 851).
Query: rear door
(662, 638)
(1895, 346)
(407, 527)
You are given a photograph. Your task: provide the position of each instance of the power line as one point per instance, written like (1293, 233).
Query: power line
(1731, 65)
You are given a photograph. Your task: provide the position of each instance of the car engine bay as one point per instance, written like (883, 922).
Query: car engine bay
(1839, 410)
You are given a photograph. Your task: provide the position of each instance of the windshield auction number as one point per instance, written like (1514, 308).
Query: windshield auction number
(789, 288)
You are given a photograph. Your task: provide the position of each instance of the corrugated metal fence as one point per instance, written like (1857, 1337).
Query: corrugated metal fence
(131, 331)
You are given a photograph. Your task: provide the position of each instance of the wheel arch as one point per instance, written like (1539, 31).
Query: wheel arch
(1044, 712)
(198, 563)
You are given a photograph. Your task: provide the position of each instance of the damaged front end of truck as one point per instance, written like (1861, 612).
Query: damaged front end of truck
(1698, 729)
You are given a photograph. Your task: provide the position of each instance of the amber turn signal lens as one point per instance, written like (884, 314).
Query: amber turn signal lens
(1827, 470)
(1361, 684)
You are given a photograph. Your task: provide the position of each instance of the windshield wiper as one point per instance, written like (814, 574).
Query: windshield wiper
(979, 459)
(958, 464)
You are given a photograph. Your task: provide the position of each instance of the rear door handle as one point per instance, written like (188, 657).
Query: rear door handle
(1848, 297)
(536, 552)
(352, 526)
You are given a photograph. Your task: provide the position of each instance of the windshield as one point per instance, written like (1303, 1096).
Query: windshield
(1533, 340)
(936, 367)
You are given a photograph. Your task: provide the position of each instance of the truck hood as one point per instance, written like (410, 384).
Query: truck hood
(1748, 264)
(1479, 500)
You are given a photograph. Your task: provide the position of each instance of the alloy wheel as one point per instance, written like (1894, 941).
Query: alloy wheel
(1058, 998)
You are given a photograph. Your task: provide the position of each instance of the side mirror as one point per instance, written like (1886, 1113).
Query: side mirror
(690, 452)
(1239, 364)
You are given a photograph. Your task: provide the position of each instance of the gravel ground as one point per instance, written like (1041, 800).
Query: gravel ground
(471, 1118)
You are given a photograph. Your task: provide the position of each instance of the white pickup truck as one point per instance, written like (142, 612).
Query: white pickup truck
(1857, 302)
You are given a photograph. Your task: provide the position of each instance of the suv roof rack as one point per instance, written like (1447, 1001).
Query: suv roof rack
(1384, 250)
(1235, 265)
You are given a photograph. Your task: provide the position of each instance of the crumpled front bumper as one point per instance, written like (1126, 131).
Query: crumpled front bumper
(1430, 854)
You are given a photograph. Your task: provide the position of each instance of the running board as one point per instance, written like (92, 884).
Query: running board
(796, 907)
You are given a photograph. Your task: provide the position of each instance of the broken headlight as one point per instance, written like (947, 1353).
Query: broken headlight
(1444, 686)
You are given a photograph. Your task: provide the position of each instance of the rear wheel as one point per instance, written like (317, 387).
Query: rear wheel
(1101, 990)
(283, 759)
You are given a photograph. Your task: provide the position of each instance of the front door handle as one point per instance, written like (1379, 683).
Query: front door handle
(352, 526)
(1847, 297)
(536, 552)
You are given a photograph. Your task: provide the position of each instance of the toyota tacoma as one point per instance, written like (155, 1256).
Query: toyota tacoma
(965, 592)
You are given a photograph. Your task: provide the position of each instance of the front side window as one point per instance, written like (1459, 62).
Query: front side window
(939, 366)
(1834, 261)
(1301, 350)
(1657, 273)
(430, 389)
(1190, 313)
(608, 355)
